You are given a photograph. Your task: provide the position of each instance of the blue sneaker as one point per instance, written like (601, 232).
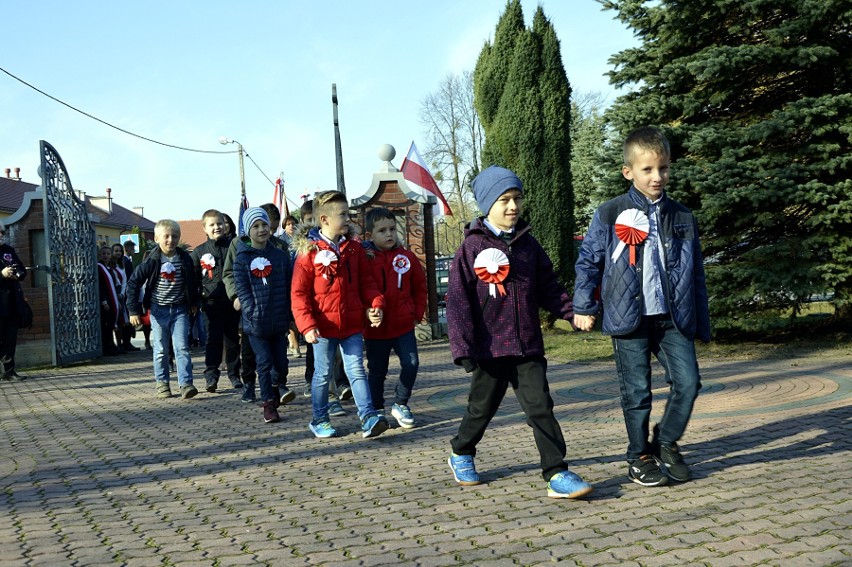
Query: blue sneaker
(335, 409)
(566, 484)
(249, 395)
(464, 470)
(322, 430)
(374, 426)
(403, 416)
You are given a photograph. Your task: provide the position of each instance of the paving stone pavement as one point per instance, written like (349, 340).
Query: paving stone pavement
(96, 470)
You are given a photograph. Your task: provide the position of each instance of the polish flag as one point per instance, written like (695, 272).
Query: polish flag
(415, 171)
(278, 199)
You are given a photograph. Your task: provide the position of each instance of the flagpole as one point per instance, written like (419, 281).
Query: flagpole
(283, 195)
(338, 150)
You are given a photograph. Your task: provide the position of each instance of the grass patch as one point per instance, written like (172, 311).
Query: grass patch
(562, 344)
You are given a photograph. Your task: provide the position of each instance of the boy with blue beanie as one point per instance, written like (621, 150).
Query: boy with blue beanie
(500, 278)
(262, 274)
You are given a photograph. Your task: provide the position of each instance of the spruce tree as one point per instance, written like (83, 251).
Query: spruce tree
(755, 96)
(528, 130)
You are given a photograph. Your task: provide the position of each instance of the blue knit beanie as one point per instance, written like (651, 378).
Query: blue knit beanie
(492, 182)
(253, 214)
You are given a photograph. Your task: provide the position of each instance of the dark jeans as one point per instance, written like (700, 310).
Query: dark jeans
(378, 357)
(222, 330)
(633, 362)
(247, 367)
(8, 340)
(488, 386)
(270, 354)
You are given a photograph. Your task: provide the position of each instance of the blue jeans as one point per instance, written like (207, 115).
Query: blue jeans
(270, 354)
(352, 350)
(633, 363)
(378, 356)
(170, 326)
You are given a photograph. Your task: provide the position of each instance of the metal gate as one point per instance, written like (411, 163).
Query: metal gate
(71, 258)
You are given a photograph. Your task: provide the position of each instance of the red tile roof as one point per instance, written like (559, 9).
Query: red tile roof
(12, 195)
(192, 233)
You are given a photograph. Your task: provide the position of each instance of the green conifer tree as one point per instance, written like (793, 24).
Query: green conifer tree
(528, 129)
(755, 96)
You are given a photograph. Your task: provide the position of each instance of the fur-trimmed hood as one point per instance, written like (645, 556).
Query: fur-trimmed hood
(305, 237)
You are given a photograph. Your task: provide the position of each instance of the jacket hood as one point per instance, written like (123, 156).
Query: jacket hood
(306, 236)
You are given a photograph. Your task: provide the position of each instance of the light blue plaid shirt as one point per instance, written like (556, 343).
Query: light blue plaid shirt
(653, 265)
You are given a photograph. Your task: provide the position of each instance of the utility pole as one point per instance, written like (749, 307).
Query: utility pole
(338, 150)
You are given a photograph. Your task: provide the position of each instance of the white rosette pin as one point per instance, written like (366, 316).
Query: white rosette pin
(260, 268)
(326, 260)
(492, 266)
(208, 262)
(401, 265)
(631, 228)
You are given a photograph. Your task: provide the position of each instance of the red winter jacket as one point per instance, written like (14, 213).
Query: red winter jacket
(406, 303)
(331, 298)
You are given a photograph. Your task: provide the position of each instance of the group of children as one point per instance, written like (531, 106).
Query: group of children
(253, 289)
(640, 265)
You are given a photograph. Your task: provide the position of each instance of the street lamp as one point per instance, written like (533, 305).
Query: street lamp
(223, 140)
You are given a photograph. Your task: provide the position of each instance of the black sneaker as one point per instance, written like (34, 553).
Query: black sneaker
(646, 472)
(670, 460)
(249, 396)
(211, 385)
(672, 463)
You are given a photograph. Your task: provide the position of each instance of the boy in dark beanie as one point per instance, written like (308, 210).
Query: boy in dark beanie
(499, 279)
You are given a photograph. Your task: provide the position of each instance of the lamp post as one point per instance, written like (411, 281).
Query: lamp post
(223, 140)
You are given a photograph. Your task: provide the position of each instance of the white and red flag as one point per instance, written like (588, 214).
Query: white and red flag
(415, 171)
(280, 199)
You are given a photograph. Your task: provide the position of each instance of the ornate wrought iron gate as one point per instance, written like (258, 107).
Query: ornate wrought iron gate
(72, 276)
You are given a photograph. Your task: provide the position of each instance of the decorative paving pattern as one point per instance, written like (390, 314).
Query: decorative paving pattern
(96, 470)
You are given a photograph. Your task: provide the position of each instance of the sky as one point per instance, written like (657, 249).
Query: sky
(259, 72)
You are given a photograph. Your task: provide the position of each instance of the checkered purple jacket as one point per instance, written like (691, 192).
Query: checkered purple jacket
(482, 327)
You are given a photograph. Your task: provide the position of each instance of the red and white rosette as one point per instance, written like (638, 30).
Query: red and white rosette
(167, 272)
(327, 261)
(401, 265)
(631, 228)
(492, 266)
(208, 262)
(260, 268)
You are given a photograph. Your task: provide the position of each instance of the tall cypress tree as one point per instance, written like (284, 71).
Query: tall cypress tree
(528, 130)
(756, 97)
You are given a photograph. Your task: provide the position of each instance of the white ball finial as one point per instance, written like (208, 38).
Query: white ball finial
(387, 152)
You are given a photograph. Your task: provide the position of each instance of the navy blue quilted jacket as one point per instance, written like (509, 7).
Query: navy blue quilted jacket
(264, 307)
(621, 283)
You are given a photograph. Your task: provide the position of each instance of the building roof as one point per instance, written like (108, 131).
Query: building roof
(192, 233)
(12, 195)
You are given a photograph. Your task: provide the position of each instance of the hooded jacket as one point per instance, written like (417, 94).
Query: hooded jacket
(228, 272)
(331, 292)
(213, 292)
(482, 326)
(621, 283)
(405, 294)
(264, 305)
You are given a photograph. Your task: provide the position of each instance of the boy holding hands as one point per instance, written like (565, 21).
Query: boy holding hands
(499, 279)
(331, 287)
(171, 293)
(643, 249)
(262, 275)
(402, 281)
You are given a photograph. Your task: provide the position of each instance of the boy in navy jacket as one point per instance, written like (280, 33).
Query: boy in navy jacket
(262, 275)
(642, 248)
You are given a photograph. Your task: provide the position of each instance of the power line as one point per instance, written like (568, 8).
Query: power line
(105, 123)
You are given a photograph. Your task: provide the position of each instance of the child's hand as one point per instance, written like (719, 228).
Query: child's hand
(312, 336)
(374, 314)
(237, 304)
(584, 322)
(135, 320)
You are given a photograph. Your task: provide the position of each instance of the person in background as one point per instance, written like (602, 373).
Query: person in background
(12, 272)
(109, 302)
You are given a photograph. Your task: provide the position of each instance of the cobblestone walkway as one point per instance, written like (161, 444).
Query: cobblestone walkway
(96, 470)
